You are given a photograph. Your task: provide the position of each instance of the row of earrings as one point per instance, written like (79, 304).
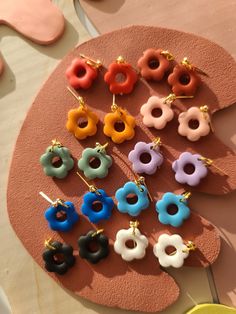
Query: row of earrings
(95, 162)
(120, 117)
(58, 257)
(153, 65)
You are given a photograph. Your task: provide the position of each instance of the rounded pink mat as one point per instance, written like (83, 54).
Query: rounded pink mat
(140, 285)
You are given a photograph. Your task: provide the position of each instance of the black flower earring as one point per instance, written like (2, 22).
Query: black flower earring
(93, 246)
(58, 257)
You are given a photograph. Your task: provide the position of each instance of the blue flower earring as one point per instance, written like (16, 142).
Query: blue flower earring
(178, 203)
(139, 189)
(97, 205)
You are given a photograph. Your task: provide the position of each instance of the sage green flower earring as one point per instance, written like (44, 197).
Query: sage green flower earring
(95, 162)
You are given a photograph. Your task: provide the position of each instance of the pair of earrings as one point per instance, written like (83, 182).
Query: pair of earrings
(155, 63)
(118, 116)
(200, 116)
(174, 259)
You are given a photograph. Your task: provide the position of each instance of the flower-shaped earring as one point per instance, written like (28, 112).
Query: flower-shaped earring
(85, 243)
(146, 157)
(154, 64)
(140, 191)
(202, 119)
(62, 154)
(184, 78)
(82, 72)
(176, 258)
(119, 125)
(138, 251)
(173, 209)
(88, 127)
(97, 205)
(61, 216)
(120, 67)
(58, 257)
(154, 103)
(90, 155)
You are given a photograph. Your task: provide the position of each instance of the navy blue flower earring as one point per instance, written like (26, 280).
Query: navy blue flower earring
(61, 216)
(97, 205)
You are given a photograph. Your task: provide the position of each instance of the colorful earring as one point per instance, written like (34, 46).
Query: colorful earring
(140, 243)
(176, 258)
(201, 117)
(68, 215)
(184, 78)
(96, 198)
(120, 67)
(50, 256)
(85, 241)
(146, 157)
(154, 64)
(82, 72)
(58, 151)
(164, 105)
(119, 118)
(182, 211)
(82, 112)
(137, 188)
(92, 154)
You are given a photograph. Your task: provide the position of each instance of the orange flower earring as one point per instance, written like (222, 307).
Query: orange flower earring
(119, 125)
(120, 68)
(87, 126)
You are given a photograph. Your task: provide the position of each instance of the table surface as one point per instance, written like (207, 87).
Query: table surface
(27, 286)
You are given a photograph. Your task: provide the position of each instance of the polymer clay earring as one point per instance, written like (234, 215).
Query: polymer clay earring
(184, 79)
(119, 125)
(164, 106)
(89, 119)
(140, 242)
(61, 216)
(58, 257)
(85, 246)
(146, 157)
(82, 72)
(120, 67)
(154, 64)
(140, 191)
(176, 258)
(177, 203)
(90, 155)
(62, 154)
(202, 120)
(97, 205)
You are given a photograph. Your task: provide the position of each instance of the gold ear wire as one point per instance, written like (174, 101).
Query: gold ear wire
(171, 97)
(78, 98)
(192, 67)
(134, 225)
(94, 63)
(141, 181)
(92, 188)
(97, 232)
(209, 162)
(48, 245)
(205, 111)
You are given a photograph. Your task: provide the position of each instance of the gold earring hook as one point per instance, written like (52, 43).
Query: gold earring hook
(55, 143)
(97, 232)
(190, 246)
(169, 56)
(205, 111)
(186, 195)
(55, 203)
(156, 143)
(172, 97)
(192, 67)
(48, 245)
(94, 63)
(141, 181)
(134, 225)
(92, 188)
(101, 148)
(209, 162)
(120, 59)
(78, 98)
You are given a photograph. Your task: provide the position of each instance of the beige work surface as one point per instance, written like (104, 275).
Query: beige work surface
(29, 289)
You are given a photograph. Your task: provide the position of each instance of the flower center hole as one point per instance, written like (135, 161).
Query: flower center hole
(132, 198)
(58, 258)
(153, 63)
(82, 122)
(81, 72)
(145, 158)
(184, 79)
(172, 209)
(156, 112)
(97, 206)
(170, 250)
(94, 162)
(193, 124)
(93, 246)
(61, 215)
(120, 78)
(57, 162)
(189, 168)
(130, 244)
(119, 126)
